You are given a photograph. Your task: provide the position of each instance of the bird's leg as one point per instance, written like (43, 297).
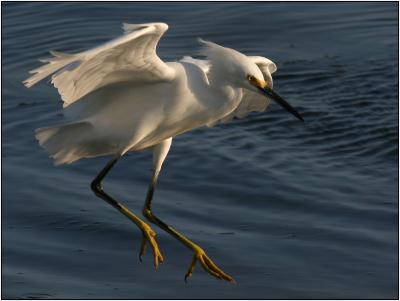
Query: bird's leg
(160, 153)
(148, 233)
(199, 253)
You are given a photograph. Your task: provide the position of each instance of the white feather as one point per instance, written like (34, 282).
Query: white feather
(251, 101)
(130, 57)
(121, 97)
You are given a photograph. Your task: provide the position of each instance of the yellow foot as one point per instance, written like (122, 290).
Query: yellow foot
(208, 265)
(148, 235)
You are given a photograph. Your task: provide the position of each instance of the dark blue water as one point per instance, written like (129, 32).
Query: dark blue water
(290, 210)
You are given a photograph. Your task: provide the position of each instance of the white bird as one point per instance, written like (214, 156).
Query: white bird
(121, 97)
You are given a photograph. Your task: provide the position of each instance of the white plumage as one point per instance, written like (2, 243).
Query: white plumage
(121, 96)
(129, 57)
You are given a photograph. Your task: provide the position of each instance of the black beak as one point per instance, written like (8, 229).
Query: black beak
(270, 93)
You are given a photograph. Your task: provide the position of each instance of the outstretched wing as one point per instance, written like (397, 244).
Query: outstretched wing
(131, 57)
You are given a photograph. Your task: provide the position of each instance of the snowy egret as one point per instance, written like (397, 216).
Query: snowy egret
(121, 97)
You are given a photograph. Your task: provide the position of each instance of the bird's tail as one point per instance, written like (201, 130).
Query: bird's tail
(65, 143)
(55, 63)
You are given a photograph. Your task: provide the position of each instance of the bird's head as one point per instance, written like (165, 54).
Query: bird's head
(243, 71)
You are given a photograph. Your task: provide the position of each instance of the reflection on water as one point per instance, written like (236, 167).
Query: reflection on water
(290, 210)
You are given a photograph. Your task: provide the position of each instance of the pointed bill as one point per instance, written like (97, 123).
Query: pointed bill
(283, 103)
(267, 91)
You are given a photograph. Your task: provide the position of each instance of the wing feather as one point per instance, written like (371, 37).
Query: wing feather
(130, 57)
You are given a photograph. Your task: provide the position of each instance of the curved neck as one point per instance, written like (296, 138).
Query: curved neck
(224, 89)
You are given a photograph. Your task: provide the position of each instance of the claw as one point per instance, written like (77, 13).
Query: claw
(142, 248)
(191, 268)
(148, 235)
(208, 265)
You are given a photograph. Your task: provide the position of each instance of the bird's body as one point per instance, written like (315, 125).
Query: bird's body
(135, 115)
(121, 97)
(128, 117)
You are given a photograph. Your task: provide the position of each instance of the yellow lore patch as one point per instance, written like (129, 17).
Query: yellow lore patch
(256, 82)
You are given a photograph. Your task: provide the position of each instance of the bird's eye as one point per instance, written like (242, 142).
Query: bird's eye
(250, 77)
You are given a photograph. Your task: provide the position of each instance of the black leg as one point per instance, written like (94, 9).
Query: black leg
(148, 233)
